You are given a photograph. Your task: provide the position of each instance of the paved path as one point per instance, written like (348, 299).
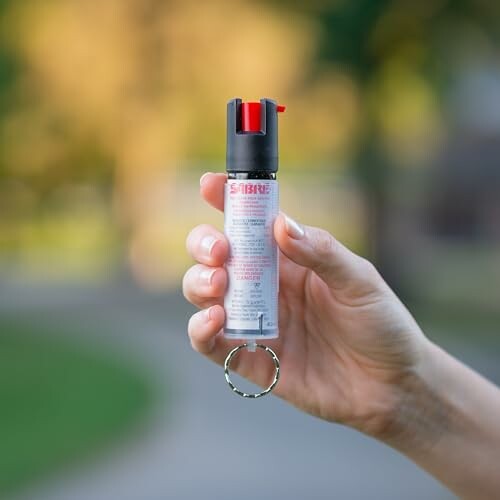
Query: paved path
(206, 443)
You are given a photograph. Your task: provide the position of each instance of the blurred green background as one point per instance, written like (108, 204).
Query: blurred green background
(111, 110)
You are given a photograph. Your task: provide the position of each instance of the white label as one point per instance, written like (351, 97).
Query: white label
(251, 301)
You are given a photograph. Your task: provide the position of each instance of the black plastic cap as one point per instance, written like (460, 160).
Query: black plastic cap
(256, 150)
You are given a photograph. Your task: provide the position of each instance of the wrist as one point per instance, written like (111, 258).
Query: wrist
(446, 420)
(420, 414)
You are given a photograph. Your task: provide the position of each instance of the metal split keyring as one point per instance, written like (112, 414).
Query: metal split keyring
(276, 362)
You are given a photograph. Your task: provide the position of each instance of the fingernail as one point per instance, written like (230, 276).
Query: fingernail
(206, 276)
(203, 176)
(293, 229)
(207, 244)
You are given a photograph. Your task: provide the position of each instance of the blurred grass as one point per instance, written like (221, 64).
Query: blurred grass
(59, 402)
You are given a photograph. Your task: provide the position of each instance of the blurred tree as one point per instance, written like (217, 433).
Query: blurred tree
(401, 54)
(116, 97)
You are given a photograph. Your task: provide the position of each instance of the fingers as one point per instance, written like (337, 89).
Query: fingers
(318, 250)
(212, 189)
(207, 245)
(203, 329)
(206, 336)
(204, 285)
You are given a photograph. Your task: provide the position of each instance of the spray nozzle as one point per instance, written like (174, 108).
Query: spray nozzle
(251, 116)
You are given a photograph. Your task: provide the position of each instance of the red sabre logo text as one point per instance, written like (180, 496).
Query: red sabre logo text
(242, 188)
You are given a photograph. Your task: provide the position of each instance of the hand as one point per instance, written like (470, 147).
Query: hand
(346, 344)
(350, 352)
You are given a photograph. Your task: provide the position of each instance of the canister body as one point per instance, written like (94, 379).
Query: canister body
(251, 299)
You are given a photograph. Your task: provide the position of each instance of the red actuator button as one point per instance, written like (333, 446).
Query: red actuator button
(250, 116)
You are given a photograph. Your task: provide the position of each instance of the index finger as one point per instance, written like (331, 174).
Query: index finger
(212, 189)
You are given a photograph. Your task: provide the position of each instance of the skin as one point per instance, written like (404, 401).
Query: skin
(351, 353)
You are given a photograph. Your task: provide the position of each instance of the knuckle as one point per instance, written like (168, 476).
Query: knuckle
(325, 247)
(194, 325)
(186, 283)
(190, 239)
(190, 327)
(193, 343)
(195, 235)
(325, 244)
(367, 269)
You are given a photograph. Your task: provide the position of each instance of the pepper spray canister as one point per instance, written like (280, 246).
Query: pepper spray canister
(251, 204)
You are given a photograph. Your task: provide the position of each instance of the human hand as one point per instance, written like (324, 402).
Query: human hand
(347, 344)
(351, 353)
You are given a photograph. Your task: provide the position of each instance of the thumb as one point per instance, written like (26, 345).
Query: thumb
(318, 250)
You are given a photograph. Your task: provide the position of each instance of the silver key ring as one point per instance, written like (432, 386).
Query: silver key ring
(276, 362)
